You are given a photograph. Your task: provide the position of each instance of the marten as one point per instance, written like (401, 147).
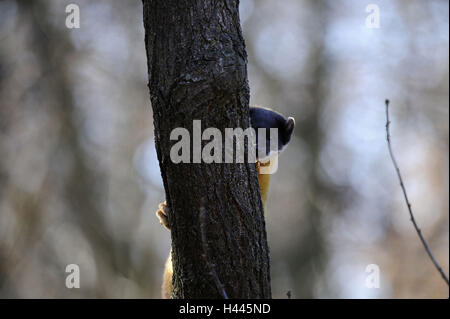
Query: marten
(260, 117)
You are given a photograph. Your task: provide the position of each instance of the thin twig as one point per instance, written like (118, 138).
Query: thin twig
(211, 267)
(413, 220)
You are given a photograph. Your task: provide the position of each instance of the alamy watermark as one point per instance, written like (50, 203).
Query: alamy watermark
(73, 278)
(373, 277)
(373, 19)
(231, 149)
(73, 17)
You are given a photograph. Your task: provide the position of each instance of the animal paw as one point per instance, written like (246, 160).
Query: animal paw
(163, 214)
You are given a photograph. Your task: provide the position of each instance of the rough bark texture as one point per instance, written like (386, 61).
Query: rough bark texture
(197, 66)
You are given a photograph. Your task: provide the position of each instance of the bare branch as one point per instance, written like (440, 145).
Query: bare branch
(413, 220)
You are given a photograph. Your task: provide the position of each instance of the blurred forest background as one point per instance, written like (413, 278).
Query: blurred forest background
(80, 182)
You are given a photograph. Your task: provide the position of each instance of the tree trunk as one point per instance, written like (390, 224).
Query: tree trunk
(197, 66)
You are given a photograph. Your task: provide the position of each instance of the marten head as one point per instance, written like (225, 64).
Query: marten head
(266, 118)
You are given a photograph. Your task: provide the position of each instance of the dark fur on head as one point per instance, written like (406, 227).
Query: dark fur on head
(266, 118)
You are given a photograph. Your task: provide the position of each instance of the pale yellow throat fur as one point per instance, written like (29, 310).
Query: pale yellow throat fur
(264, 182)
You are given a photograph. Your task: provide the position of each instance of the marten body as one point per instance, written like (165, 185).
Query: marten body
(260, 118)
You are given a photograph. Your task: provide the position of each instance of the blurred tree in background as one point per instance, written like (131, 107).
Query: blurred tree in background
(80, 181)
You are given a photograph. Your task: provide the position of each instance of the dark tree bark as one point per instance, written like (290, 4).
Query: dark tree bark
(197, 66)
